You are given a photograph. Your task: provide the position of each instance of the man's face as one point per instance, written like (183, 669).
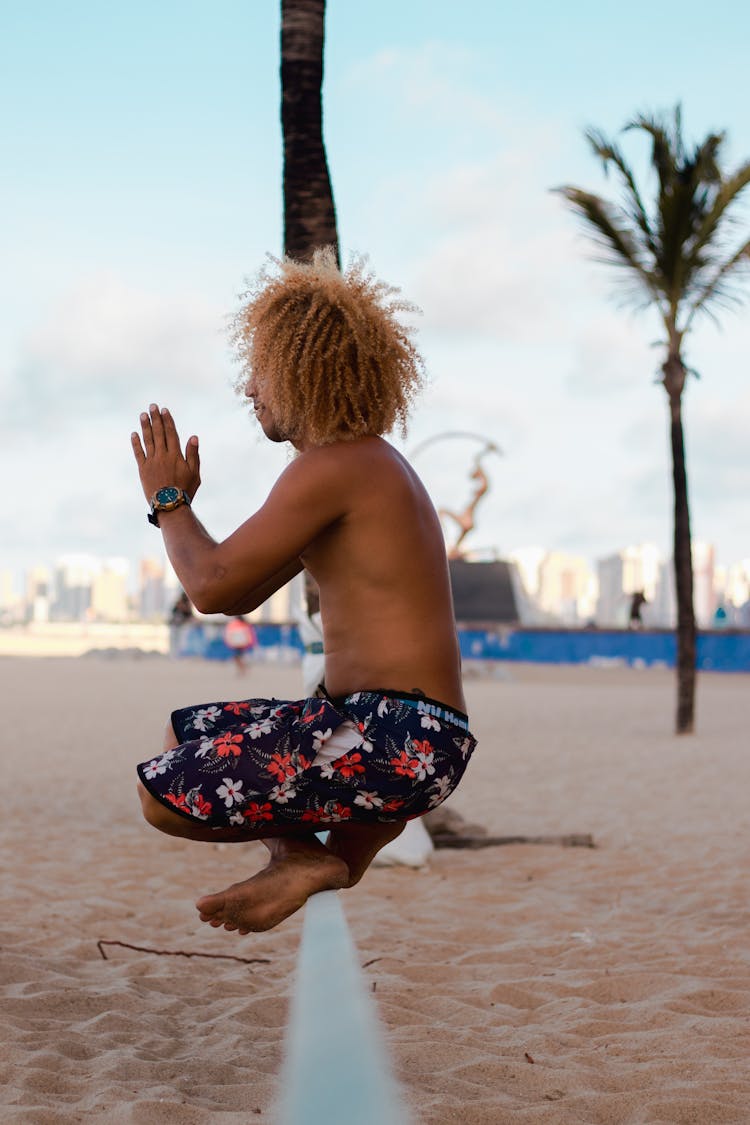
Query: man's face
(263, 411)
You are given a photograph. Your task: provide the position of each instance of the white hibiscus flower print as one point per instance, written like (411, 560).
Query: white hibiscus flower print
(157, 766)
(204, 746)
(282, 793)
(256, 729)
(429, 723)
(368, 800)
(321, 736)
(425, 766)
(440, 790)
(205, 715)
(230, 792)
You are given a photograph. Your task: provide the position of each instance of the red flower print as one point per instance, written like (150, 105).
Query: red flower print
(236, 708)
(393, 804)
(201, 807)
(281, 767)
(256, 813)
(227, 744)
(314, 815)
(179, 801)
(423, 747)
(334, 810)
(348, 765)
(313, 715)
(405, 765)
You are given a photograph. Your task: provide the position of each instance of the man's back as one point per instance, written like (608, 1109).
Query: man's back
(383, 576)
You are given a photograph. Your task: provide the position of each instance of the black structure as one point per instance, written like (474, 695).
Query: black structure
(483, 592)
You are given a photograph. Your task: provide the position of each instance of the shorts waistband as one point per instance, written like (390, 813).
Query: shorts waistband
(422, 703)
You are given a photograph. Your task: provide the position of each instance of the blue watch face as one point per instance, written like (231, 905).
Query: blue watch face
(167, 495)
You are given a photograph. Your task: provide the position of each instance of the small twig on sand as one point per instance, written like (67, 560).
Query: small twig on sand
(576, 840)
(182, 953)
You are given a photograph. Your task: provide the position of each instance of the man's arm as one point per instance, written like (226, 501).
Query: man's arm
(264, 552)
(262, 593)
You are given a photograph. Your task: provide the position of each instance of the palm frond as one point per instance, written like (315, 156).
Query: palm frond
(715, 290)
(610, 153)
(608, 226)
(664, 147)
(728, 193)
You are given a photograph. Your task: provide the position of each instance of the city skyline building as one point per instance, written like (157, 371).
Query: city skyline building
(555, 588)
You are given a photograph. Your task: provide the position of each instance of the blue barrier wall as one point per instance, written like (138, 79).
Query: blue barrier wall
(725, 651)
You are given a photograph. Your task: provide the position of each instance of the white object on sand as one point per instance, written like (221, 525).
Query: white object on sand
(412, 848)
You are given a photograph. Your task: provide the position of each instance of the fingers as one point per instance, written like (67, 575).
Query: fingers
(159, 430)
(138, 453)
(148, 434)
(157, 427)
(192, 456)
(171, 437)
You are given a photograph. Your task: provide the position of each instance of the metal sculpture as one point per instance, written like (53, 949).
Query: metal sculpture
(465, 519)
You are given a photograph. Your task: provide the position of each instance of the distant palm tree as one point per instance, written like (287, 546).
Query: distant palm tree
(677, 257)
(309, 213)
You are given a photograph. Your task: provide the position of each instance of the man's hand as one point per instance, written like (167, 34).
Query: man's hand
(160, 460)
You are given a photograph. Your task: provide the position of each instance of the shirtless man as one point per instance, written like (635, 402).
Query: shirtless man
(329, 368)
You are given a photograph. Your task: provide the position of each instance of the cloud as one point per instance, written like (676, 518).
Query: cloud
(106, 345)
(432, 82)
(611, 354)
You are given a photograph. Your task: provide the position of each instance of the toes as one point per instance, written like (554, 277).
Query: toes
(210, 904)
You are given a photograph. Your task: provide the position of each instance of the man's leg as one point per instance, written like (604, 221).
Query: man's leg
(297, 869)
(358, 844)
(299, 864)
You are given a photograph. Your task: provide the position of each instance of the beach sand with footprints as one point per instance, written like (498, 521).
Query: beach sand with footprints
(540, 984)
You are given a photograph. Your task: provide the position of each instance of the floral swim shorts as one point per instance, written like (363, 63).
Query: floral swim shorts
(372, 756)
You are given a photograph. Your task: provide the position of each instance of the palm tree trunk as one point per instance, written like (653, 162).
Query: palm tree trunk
(683, 571)
(309, 213)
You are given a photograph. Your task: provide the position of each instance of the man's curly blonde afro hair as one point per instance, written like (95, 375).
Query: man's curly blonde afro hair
(327, 351)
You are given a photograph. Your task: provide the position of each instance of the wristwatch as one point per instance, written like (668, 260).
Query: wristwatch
(166, 500)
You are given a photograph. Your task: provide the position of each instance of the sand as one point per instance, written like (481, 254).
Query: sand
(518, 984)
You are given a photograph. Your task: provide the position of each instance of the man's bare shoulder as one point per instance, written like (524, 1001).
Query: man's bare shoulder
(344, 462)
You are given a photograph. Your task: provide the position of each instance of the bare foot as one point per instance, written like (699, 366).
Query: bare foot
(358, 844)
(261, 902)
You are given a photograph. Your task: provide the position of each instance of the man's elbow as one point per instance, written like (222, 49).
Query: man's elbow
(209, 598)
(206, 605)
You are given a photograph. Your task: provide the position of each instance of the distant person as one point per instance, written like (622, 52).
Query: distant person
(329, 369)
(241, 638)
(721, 618)
(637, 603)
(180, 617)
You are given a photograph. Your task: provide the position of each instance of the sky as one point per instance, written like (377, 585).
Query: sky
(142, 187)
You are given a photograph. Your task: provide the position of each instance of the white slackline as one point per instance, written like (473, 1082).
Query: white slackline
(336, 1071)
